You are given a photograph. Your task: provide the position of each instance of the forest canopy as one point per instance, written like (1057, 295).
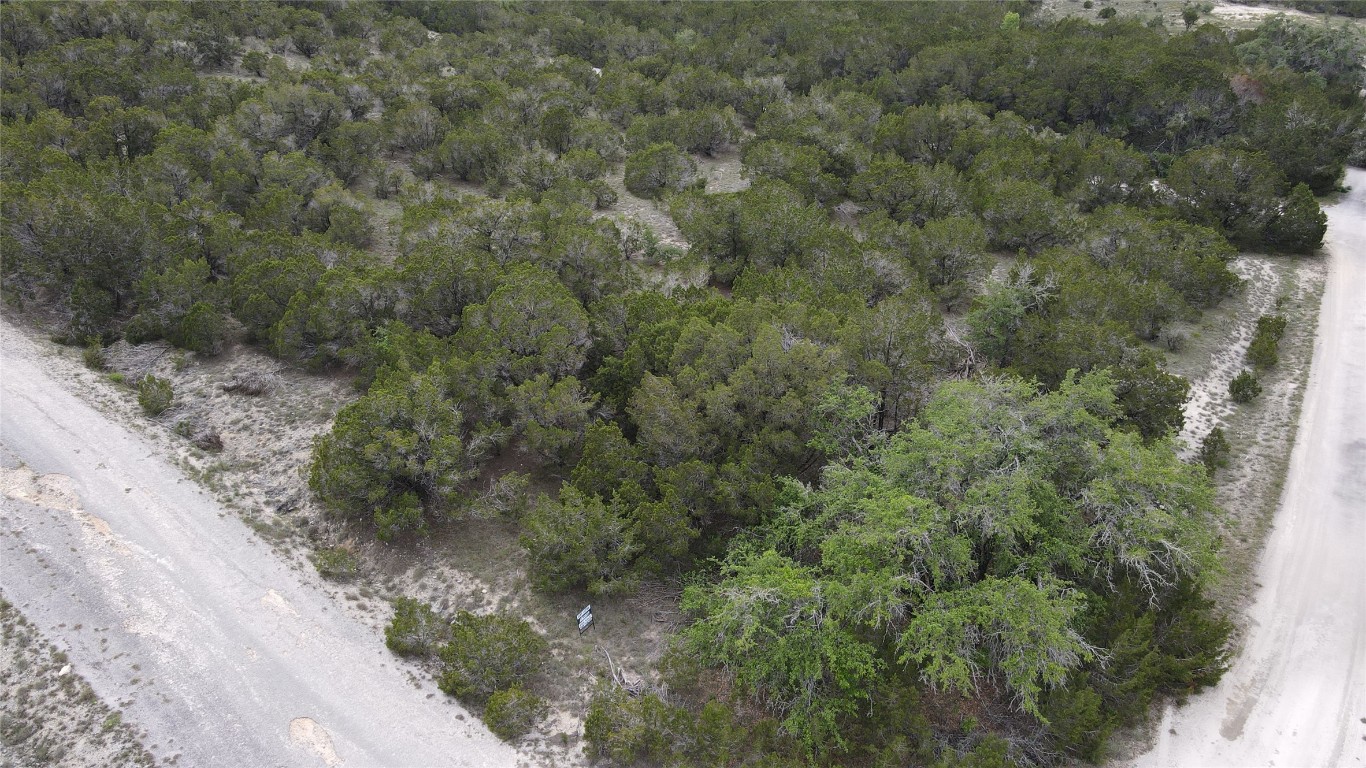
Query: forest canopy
(895, 407)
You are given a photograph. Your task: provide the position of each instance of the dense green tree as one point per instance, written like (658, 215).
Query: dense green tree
(531, 324)
(659, 168)
(965, 550)
(801, 167)
(1024, 215)
(183, 305)
(952, 257)
(487, 654)
(395, 457)
(773, 628)
(551, 417)
(1299, 224)
(1233, 191)
(578, 540)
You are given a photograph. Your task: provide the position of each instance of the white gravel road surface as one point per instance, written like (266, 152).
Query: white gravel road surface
(179, 616)
(1296, 695)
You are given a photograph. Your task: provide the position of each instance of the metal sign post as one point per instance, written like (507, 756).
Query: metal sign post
(585, 618)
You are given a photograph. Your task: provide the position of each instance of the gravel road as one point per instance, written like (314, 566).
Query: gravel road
(1296, 695)
(177, 614)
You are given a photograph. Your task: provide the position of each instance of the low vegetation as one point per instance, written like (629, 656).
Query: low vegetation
(489, 661)
(1244, 388)
(155, 395)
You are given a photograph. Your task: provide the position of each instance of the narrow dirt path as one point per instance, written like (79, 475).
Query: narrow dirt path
(1296, 695)
(178, 615)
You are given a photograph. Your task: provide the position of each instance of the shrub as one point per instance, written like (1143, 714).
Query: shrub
(93, 356)
(1244, 387)
(415, 630)
(338, 564)
(1214, 450)
(1300, 225)
(392, 455)
(488, 653)
(202, 330)
(255, 62)
(512, 712)
(1263, 352)
(627, 729)
(154, 395)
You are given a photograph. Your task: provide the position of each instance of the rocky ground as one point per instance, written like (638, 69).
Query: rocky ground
(49, 715)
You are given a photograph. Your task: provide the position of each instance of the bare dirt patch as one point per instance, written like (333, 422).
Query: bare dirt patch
(305, 732)
(53, 491)
(649, 213)
(1229, 15)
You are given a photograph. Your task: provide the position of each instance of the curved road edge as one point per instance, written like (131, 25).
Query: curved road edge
(177, 614)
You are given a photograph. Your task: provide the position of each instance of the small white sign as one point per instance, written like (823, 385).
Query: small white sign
(585, 618)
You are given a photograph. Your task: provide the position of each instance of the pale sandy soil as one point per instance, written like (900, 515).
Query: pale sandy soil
(1231, 15)
(1236, 13)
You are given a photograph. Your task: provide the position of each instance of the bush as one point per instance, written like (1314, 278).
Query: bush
(202, 330)
(93, 356)
(415, 630)
(339, 564)
(1214, 450)
(627, 729)
(512, 712)
(393, 455)
(207, 440)
(1264, 352)
(1244, 388)
(487, 654)
(255, 62)
(154, 395)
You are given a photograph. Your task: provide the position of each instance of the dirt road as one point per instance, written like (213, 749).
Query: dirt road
(1296, 695)
(177, 614)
